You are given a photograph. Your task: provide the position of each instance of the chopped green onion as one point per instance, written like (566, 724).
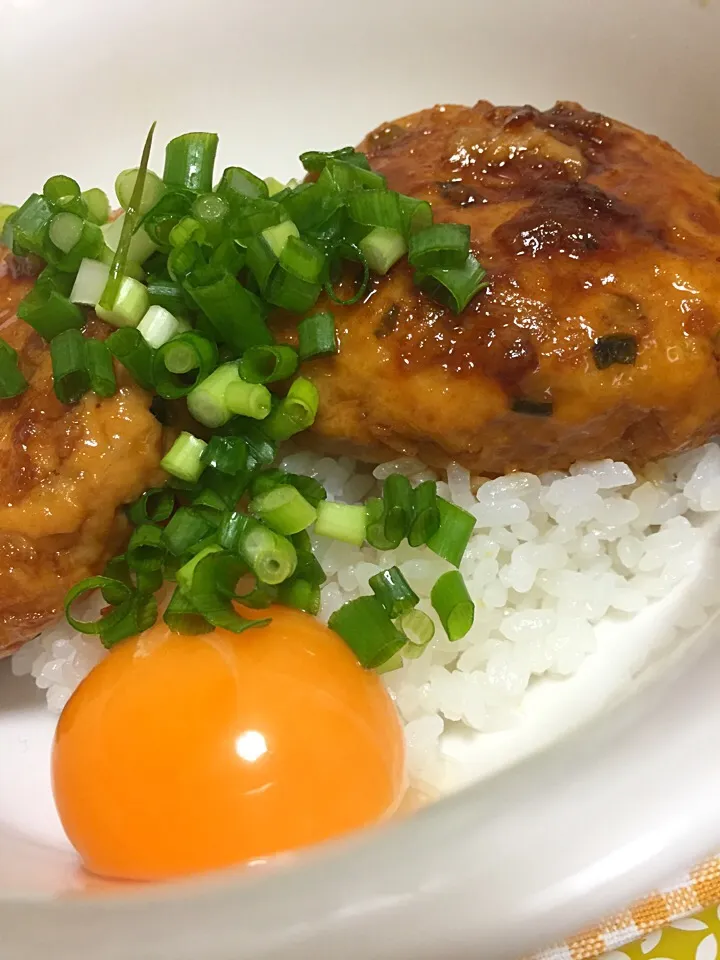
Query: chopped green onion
(60, 187)
(295, 412)
(451, 601)
(211, 585)
(71, 379)
(456, 287)
(146, 550)
(153, 506)
(182, 617)
(300, 595)
(129, 306)
(132, 269)
(188, 351)
(152, 189)
(6, 210)
(117, 569)
(206, 402)
(98, 205)
(360, 287)
(237, 316)
(369, 632)
(186, 231)
(341, 521)
(266, 364)
(317, 336)
(311, 489)
(398, 500)
(90, 282)
(308, 567)
(375, 208)
(211, 211)
(315, 161)
(226, 454)
(88, 243)
(312, 204)
(121, 592)
(284, 510)
(168, 294)
(394, 663)
(344, 175)
(189, 161)
(248, 399)
(416, 215)
(184, 458)
(394, 592)
(274, 186)
(186, 528)
(12, 382)
(130, 223)
(209, 503)
(261, 449)
(426, 514)
(141, 247)
(237, 183)
(65, 230)
(28, 225)
(232, 530)
(445, 245)
(382, 248)
(270, 556)
(261, 260)
(229, 255)
(375, 517)
(290, 292)
(278, 235)
(182, 260)
(100, 368)
(169, 210)
(129, 347)
(302, 259)
(158, 326)
(419, 628)
(454, 532)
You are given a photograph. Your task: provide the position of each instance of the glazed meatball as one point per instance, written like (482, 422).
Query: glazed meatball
(65, 471)
(596, 335)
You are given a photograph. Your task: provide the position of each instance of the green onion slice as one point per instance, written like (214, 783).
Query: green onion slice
(457, 286)
(152, 190)
(47, 307)
(182, 616)
(189, 161)
(394, 592)
(154, 506)
(146, 550)
(341, 521)
(284, 510)
(267, 364)
(227, 454)
(237, 316)
(132, 350)
(12, 382)
(419, 628)
(99, 363)
(301, 595)
(454, 532)
(426, 514)
(186, 528)
(270, 556)
(369, 632)
(317, 336)
(184, 458)
(451, 601)
(71, 379)
(182, 363)
(445, 245)
(398, 499)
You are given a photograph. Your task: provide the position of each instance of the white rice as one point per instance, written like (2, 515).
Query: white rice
(551, 556)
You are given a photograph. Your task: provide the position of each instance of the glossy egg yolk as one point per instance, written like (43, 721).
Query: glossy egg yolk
(180, 754)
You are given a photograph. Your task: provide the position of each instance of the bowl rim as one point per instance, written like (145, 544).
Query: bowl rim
(456, 874)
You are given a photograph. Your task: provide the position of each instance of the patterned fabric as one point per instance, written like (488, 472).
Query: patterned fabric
(671, 909)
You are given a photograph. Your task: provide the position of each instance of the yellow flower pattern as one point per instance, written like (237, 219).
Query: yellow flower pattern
(691, 938)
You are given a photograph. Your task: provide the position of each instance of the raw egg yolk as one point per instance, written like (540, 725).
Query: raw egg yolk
(181, 754)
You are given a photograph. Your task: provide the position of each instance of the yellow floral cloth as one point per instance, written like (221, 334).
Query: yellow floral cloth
(661, 927)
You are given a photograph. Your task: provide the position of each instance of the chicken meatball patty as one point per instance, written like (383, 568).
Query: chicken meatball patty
(596, 335)
(65, 471)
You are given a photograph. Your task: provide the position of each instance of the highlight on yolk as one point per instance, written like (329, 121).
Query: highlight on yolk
(181, 754)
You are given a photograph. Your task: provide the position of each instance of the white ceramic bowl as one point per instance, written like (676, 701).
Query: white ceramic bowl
(582, 826)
